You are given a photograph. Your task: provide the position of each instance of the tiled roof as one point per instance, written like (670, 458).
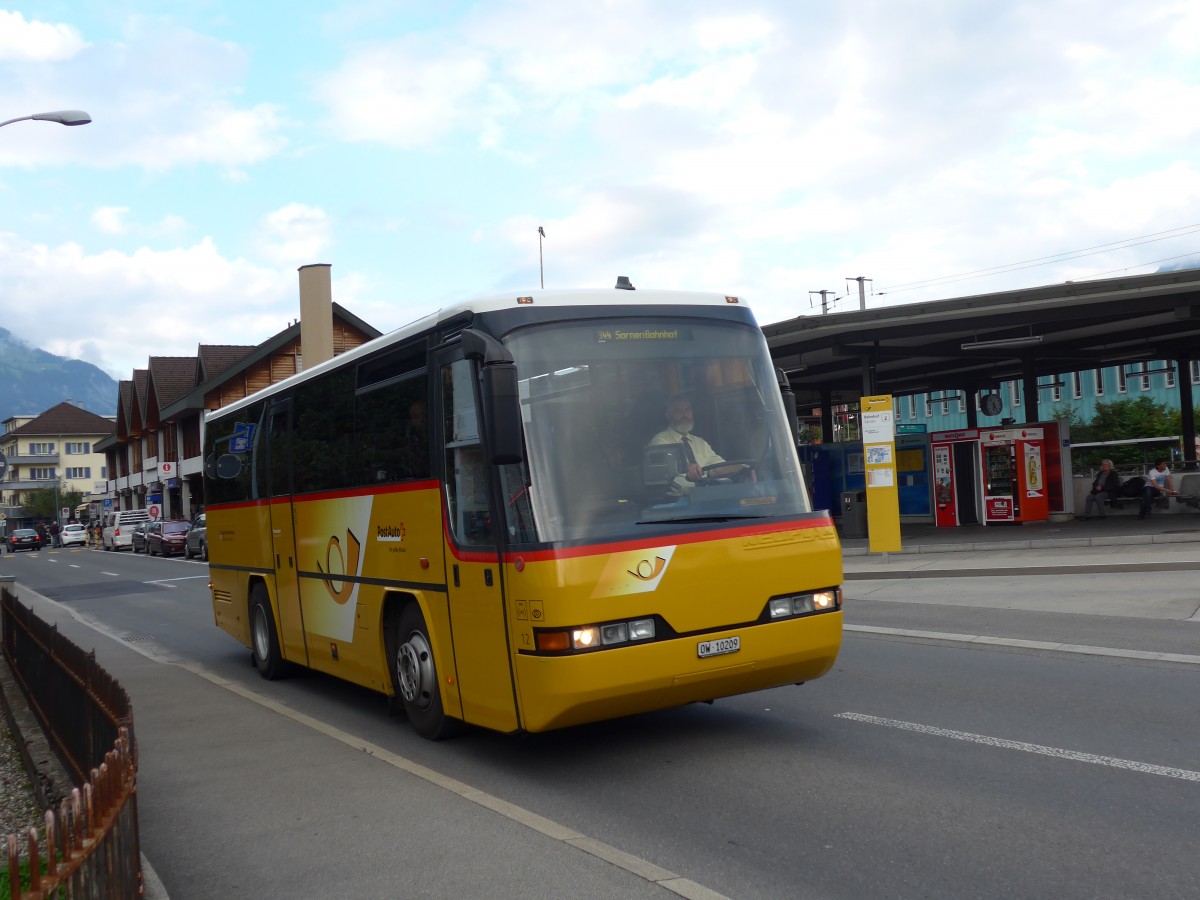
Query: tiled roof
(218, 358)
(173, 376)
(65, 418)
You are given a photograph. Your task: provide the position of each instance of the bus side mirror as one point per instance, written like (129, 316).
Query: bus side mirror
(501, 396)
(502, 412)
(789, 404)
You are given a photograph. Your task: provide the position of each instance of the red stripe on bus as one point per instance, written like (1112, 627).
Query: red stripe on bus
(333, 495)
(640, 544)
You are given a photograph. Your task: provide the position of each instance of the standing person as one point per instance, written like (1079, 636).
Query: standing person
(1106, 487)
(54, 532)
(1158, 483)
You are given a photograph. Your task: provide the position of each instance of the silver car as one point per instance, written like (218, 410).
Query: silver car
(196, 541)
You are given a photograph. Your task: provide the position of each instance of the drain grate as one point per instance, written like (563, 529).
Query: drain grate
(135, 638)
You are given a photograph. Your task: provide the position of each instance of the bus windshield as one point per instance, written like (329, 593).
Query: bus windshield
(641, 424)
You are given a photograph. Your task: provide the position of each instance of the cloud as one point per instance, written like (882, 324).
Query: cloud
(125, 307)
(294, 235)
(406, 94)
(110, 219)
(163, 96)
(33, 41)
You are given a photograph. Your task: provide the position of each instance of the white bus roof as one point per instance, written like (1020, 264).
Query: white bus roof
(586, 297)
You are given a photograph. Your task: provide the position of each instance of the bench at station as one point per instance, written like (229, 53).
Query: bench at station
(1187, 496)
(1187, 490)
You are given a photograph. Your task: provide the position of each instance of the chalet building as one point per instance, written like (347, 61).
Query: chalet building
(59, 449)
(154, 456)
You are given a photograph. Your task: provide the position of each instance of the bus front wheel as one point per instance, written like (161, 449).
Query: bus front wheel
(265, 642)
(414, 675)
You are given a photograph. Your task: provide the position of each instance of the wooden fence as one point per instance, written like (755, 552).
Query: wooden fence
(89, 845)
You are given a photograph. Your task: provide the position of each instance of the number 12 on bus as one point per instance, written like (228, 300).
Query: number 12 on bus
(530, 512)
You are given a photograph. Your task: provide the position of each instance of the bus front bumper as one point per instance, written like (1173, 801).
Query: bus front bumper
(560, 691)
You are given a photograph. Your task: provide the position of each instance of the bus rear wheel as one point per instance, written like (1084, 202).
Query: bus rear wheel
(264, 641)
(414, 675)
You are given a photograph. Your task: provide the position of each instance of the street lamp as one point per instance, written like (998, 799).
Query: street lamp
(541, 271)
(62, 117)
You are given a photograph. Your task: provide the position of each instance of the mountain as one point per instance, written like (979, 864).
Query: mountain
(32, 381)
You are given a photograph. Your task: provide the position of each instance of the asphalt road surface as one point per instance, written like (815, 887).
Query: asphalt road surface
(919, 767)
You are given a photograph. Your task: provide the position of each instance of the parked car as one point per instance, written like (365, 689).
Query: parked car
(73, 534)
(23, 539)
(196, 542)
(166, 538)
(137, 537)
(118, 526)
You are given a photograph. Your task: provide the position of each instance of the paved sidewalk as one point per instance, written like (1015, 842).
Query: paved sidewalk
(1115, 531)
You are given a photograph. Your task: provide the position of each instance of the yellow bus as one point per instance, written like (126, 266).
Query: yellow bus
(529, 512)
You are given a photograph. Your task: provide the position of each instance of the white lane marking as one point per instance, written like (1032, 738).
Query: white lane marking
(1005, 744)
(1054, 646)
(168, 580)
(113, 574)
(74, 565)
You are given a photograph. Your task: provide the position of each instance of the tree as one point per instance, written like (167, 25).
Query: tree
(1129, 419)
(1067, 412)
(45, 503)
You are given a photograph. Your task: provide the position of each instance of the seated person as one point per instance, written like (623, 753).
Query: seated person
(696, 450)
(1106, 487)
(1158, 484)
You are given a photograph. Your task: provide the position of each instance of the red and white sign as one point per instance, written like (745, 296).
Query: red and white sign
(167, 469)
(998, 509)
(155, 510)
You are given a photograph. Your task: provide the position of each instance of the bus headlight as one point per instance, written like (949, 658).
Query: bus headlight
(780, 607)
(641, 629)
(593, 637)
(802, 604)
(614, 634)
(825, 600)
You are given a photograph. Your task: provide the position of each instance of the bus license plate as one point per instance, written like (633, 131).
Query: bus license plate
(716, 648)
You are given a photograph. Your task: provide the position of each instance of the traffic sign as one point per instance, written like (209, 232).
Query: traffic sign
(155, 510)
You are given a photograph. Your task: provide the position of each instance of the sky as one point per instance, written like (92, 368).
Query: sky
(764, 148)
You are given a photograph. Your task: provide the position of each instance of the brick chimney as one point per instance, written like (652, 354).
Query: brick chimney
(316, 315)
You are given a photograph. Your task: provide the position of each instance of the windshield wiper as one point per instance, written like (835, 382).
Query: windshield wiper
(713, 518)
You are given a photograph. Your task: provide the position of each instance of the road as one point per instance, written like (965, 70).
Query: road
(920, 767)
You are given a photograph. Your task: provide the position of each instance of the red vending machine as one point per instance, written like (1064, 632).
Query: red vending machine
(1014, 475)
(955, 477)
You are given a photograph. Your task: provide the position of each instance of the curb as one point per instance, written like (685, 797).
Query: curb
(1043, 544)
(1012, 571)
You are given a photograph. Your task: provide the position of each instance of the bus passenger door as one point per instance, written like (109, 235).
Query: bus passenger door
(283, 534)
(482, 660)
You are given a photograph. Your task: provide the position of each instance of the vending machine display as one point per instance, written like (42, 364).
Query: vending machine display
(1014, 488)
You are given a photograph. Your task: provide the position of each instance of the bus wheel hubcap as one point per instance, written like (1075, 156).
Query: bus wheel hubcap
(414, 664)
(261, 643)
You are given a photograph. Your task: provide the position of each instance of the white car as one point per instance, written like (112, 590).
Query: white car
(73, 534)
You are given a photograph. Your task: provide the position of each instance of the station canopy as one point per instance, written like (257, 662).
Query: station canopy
(974, 343)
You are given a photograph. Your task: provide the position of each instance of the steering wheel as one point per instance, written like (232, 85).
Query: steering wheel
(748, 466)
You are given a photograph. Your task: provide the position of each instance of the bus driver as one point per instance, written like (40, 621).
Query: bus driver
(696, 450)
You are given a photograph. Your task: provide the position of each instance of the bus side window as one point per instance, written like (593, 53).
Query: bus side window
(393, 438)
(466, 469)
